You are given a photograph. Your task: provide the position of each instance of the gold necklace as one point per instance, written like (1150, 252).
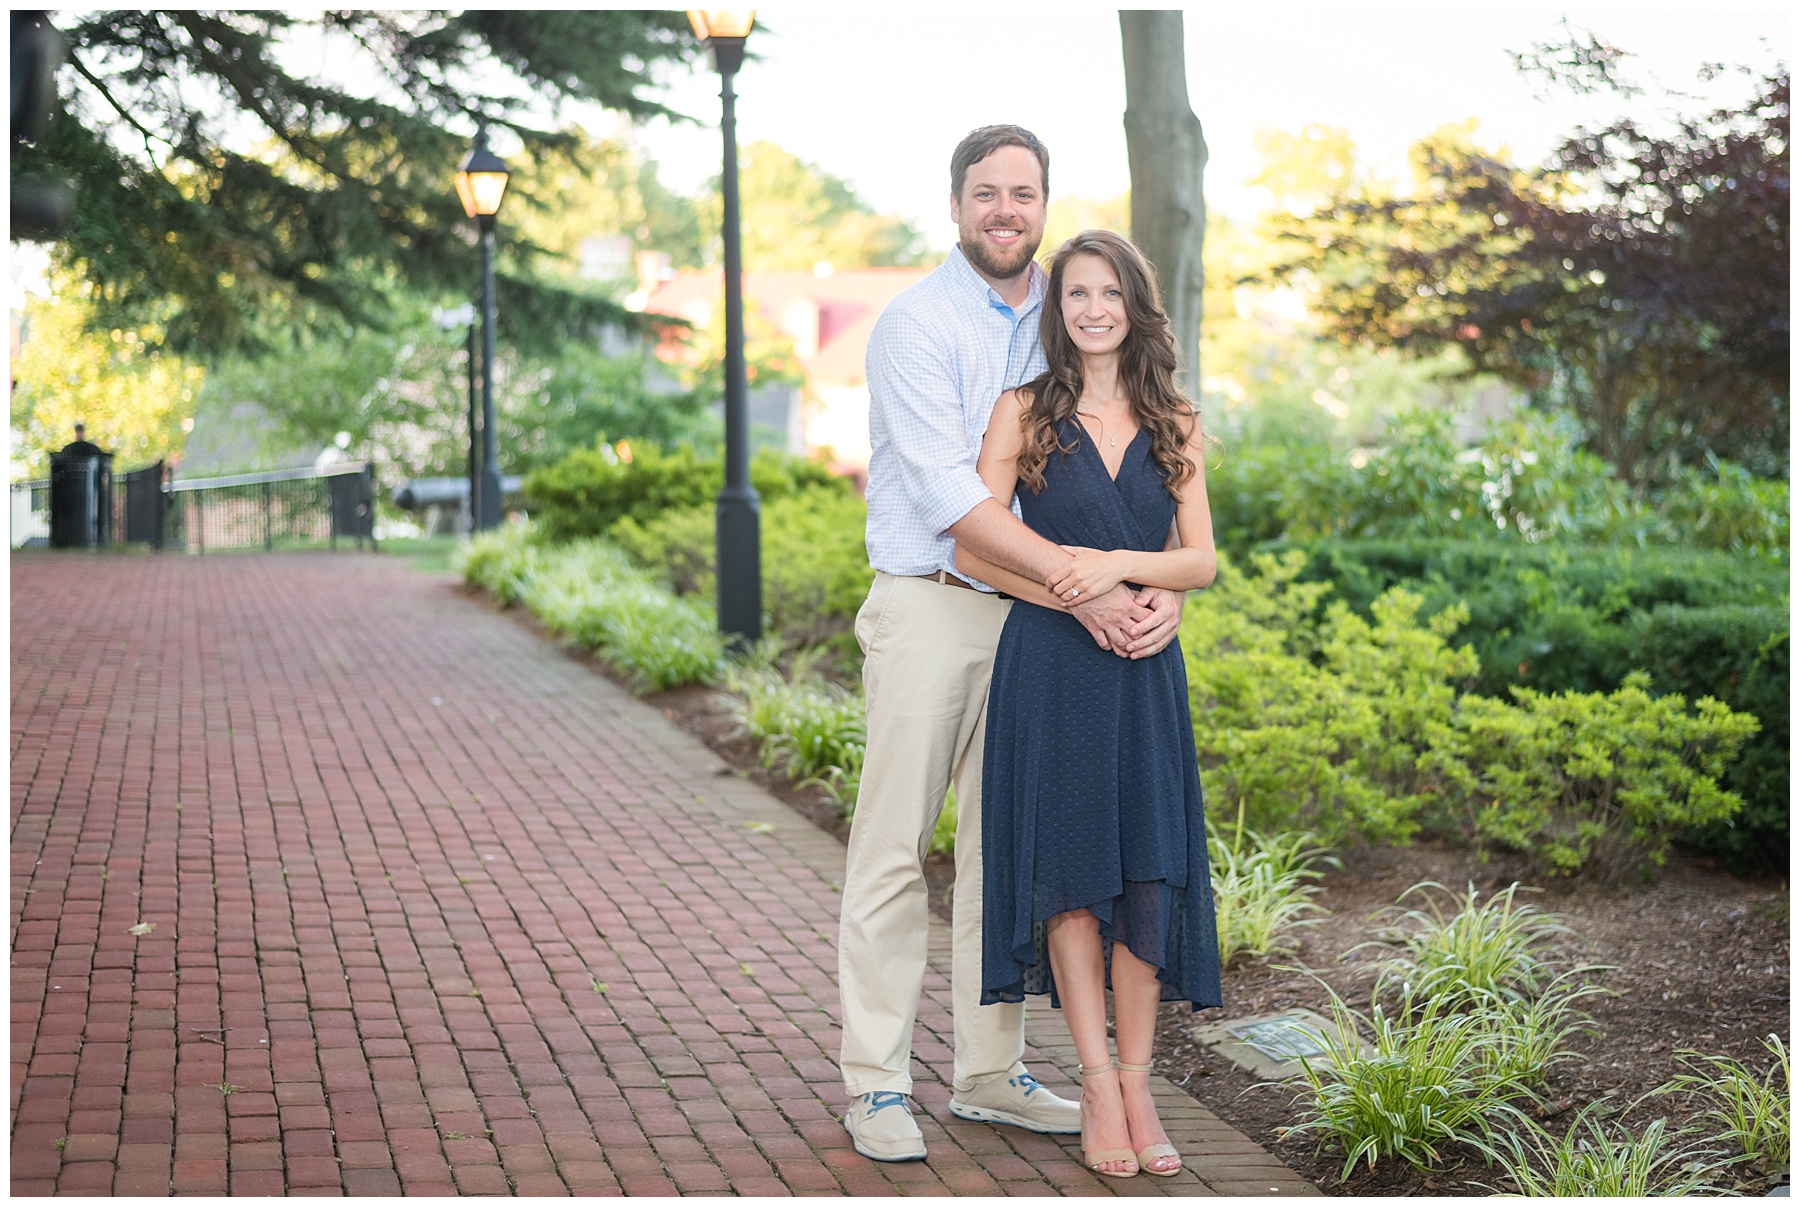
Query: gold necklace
(1114, 441)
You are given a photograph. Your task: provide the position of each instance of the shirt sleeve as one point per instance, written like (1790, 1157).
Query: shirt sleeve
(915, 396)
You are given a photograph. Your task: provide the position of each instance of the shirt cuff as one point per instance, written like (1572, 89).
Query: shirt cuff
(952, 499)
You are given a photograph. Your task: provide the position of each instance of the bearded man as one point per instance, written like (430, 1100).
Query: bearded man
(941, 354)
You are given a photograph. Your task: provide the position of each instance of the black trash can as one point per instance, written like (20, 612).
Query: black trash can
(81, 505)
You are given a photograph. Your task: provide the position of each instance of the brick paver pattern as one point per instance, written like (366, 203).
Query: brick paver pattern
(327, 879)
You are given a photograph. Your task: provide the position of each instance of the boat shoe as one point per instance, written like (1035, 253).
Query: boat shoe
(1020, 1101)
(882, 1129)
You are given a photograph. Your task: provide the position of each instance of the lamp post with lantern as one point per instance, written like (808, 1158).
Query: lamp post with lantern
(738, 520)
(481, 184)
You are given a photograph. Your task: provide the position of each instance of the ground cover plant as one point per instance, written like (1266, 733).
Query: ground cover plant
(811, 730)
(1262, 888)
(1697, 960)
(590, 593)
(1751, 1113)
(1497, 946)
(1433, 1076)
(1599, 1158)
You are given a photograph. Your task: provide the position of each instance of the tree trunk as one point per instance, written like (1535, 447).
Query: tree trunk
(1167, 154)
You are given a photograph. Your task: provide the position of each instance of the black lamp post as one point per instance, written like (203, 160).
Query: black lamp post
(481, 183)
(452, 320)
(738, 536)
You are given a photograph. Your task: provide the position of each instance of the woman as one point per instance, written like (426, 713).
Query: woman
(1094, 868)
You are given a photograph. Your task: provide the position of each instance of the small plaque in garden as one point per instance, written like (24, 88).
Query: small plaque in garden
(1269, 1045)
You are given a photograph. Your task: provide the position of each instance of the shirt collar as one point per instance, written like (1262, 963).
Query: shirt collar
(965, 275)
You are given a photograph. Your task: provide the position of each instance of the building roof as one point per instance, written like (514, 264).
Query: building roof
(829, 317)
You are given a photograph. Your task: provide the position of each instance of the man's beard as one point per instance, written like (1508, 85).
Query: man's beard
(991, 265)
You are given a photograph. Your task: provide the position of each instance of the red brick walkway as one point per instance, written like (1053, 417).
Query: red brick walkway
(432, 909)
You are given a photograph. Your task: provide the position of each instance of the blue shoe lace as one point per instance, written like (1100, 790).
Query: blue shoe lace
(1028, 1083)
(880, 1100)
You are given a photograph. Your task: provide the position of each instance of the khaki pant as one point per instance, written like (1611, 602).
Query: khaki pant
(928, 655)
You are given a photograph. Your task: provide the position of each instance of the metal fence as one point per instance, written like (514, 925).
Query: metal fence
(277, 509)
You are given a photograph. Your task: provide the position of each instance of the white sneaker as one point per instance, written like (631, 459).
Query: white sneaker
(882, 1129)
(1020, 1101)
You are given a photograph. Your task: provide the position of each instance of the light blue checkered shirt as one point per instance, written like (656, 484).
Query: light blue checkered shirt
(939, 357)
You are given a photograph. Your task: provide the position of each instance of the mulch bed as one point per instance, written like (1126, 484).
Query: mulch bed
(1700, 956)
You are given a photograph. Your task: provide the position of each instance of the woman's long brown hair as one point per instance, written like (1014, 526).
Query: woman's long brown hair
(1147, 366)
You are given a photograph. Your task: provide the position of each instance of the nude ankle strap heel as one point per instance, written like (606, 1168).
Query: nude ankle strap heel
(1094, 1158)
(1151, 1152)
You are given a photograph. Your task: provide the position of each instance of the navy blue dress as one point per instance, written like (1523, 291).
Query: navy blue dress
(1090, 786)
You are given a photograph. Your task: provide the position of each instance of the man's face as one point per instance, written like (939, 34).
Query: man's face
(1000, 213)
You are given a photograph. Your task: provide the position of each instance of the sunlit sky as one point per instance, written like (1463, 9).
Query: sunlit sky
(880, 96)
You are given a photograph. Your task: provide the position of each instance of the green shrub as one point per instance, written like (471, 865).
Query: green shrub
(1570, 619)
(1317, 725)
(1260, 894)
(1312, 717)
(816, 570)
(943, 834)
(1728, 507)
(1579, 777)
(589, 490)
(1525, 482)
(1596, 1158)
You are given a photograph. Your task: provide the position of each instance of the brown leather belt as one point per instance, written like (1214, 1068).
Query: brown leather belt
(948, 579)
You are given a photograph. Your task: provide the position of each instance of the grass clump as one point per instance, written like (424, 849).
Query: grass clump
(1752, 1114)
(589, 592)
(1433, 1076)
(1462, 1030)
(807, 728)
(1260, 890)
(1498, 946)
(1597, 1158)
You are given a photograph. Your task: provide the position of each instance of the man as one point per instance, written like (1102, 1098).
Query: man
(940, 355)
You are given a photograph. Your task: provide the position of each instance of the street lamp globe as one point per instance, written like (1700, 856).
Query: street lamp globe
(481, 181)
(721, 24)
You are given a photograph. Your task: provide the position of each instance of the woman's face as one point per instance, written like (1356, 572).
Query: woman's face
(1093, 305)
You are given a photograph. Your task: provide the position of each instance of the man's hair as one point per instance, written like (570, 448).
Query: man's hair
(977, 145)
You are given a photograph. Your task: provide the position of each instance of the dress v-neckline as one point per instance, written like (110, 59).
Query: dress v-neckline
(1129, 445)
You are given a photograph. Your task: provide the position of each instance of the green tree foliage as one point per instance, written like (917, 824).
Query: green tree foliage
(797, 215)
(1070, 216)
(226, 196)
(133, 397)
(1639, 279)
(401, 392)
(1528, 479)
